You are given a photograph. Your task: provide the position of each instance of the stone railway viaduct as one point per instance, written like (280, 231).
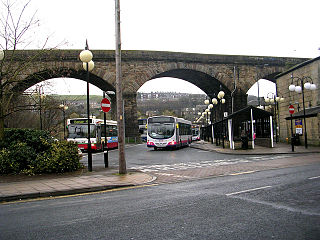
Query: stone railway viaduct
(207, 71)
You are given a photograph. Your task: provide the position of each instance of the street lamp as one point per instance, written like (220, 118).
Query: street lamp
(64, 108)
(222, 101)
(214, 102)
(41, 97)
(210, 107)
(206, 102)
(274, 99)
(300, 89)
(88, 65)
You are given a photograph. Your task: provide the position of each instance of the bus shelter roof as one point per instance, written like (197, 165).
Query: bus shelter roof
(310, 112)
(245, 114)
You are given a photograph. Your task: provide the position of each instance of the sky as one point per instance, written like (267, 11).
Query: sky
(282, 28)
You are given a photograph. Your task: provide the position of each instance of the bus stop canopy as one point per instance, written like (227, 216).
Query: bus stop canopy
(310, 112)
(244, 114)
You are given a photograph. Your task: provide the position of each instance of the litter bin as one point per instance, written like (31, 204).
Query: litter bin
(244, 141)
(296, 140)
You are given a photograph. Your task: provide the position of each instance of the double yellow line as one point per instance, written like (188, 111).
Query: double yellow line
(78, 194)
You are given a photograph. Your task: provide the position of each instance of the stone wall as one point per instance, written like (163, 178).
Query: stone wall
(312, 69)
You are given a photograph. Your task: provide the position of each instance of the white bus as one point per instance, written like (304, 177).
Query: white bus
(143, 129)
(78, 132)
(168, 132)
(195, 132)
(112, 134)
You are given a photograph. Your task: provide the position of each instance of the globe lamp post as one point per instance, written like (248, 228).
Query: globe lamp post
(299, 88)
(88, 65)
(64, 108)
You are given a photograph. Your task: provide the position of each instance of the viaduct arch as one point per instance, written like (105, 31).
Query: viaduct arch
(206, 71)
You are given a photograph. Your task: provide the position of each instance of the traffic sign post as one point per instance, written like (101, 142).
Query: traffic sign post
(291, 111)
(105, 105)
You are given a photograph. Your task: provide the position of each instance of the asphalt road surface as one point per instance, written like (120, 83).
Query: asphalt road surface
(141, 158)
(274, 204)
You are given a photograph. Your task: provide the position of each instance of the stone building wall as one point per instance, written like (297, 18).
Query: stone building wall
(312, 69)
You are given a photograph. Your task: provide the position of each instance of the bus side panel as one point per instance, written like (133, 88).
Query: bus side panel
(112, 142)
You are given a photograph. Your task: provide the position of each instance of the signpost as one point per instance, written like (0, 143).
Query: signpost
(105, 105)
(291, 111)
(298, 124)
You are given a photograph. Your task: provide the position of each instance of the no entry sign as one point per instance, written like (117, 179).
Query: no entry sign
(291, 109)
(105, 105)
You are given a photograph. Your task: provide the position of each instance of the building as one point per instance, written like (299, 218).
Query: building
(308, 71)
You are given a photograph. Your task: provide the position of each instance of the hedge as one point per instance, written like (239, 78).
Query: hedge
(34, 151)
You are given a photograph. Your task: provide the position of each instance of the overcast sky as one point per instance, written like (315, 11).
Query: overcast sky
(236, 27)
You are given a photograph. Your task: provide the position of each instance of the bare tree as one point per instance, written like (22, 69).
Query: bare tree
(15, 25)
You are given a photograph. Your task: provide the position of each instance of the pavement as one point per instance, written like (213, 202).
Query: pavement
(279, 148)
(19, 187)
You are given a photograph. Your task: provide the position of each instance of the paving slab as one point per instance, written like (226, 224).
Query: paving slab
(24, 187)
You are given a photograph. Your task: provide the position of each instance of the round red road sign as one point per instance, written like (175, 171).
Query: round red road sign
(291, 109)
(105, 105)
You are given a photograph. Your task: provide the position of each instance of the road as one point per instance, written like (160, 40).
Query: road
(273, 204)
(146, 159)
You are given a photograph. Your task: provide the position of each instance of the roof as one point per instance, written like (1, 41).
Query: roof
(310, 112)
(297, 66)
(245, 112)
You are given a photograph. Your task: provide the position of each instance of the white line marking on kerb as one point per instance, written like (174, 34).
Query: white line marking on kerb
(248, 190)
(314, 177)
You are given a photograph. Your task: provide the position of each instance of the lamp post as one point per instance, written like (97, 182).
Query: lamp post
(64, 108)
(274, 99)
(199, 119)
(206, 102)
(41, 97)
(211, 120)
(88, 65)
(222, 101)
(299, 88)
(214, 102)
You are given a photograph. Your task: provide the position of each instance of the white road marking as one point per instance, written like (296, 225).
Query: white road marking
(240, 173)
(248, 190)
(188, 165)
(314, 177)
(202, 164)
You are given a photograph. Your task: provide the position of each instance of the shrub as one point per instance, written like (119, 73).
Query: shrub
(33, 151)
(62, 157)
(21, 154)
(36, 139)
(6, 164)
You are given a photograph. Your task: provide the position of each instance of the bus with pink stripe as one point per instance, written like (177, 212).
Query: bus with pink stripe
(78, 132)
(168, 132)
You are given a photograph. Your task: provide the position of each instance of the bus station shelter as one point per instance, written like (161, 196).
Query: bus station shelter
(244, 129)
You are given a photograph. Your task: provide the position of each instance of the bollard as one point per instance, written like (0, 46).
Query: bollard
(292, 144)
(106, 160)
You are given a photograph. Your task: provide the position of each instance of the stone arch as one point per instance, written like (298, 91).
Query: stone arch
(40, 76)
(63, 72)
(210, 85)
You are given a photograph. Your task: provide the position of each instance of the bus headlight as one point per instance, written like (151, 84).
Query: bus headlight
(172, 143)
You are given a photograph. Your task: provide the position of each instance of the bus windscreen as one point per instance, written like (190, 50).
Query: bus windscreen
(81, 131)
